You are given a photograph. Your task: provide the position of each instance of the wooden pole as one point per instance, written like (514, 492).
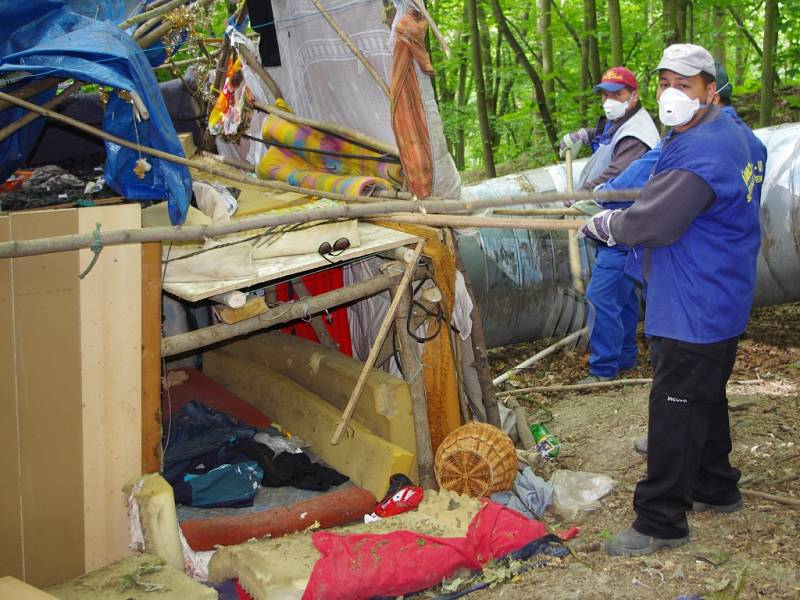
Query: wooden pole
(149, 14)
(151, 358)
(33, 88)
(491, 222)
(11, 128)
(794, 502)
(278, 315)
(575, 386)
(539, 212)
(376, 346)
(540, 355)
(572, 239)
(408, 350)
(254, 64)
(353, 48)
(320, 330)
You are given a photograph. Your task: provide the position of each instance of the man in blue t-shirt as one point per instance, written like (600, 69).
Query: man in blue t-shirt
(697, 220)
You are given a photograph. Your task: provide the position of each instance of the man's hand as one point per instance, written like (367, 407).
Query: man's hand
(573, 141)
(598, 227)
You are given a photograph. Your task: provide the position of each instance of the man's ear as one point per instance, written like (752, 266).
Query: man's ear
(711, 91)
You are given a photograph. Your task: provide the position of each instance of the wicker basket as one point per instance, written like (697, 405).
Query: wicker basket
(476, 459)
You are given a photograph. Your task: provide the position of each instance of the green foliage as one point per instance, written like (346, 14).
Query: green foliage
(519, 135)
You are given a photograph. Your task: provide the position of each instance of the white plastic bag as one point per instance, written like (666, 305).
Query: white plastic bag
(576, 492)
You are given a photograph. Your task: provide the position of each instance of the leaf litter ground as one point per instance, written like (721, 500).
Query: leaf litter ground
(753, 553)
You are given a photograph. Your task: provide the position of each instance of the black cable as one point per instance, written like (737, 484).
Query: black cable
(382, 158)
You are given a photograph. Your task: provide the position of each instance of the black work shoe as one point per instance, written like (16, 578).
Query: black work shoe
(632, 543)
(720, 508)
(640, 444)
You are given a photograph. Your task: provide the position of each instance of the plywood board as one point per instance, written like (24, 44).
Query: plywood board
(10, 509)
(374, 239)
(47, 341)
(111, 366)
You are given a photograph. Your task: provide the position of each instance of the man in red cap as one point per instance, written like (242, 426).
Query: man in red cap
(622, 135)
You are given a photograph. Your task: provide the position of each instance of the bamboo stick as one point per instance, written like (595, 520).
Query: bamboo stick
(538, 212)
(376, 346)
(159, 32)
(573, 247)
(540, 355)
(35, 87)
(149, 14)
(576, 386)
(420, 4)
(354, 49)
(279, 315)
(492, 222)
(412, 370)
(254, 64)
(11, 128)
(354, 136)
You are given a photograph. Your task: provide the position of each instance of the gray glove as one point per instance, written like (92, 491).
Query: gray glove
(599, 227)
(573, 141)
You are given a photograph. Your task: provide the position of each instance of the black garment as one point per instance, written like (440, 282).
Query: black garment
(295, 470)
(263, 21)
(688, 436)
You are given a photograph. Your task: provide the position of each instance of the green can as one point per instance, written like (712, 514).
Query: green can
(546, 443)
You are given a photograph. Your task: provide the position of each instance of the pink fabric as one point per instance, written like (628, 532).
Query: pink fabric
(364, 566)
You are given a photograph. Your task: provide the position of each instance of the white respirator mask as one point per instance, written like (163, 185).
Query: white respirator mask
(615, 109)
(676, 108)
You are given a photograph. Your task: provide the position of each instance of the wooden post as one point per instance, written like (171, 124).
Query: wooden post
(151, 357)
(412, 372)
(376, 346)
(572, 240)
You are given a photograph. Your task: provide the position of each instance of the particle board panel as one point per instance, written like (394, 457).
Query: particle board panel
(46, 298)
(374, 239)
(111, 366)
(10, 506)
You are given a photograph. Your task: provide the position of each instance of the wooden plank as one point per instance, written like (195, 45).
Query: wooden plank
(10, 510)
(151, 357)
(374, 239)
(111, 365)
(47, 345)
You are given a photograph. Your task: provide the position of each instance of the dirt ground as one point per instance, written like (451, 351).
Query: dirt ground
(753, 553)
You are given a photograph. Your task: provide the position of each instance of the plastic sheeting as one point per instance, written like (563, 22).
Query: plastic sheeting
(48, 38)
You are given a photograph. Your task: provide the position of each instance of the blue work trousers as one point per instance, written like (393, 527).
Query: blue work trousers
(612, 346)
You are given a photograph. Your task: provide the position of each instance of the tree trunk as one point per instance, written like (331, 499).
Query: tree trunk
(461, 102)
(522, 59)
(590, 33)
(670, 13)
(480, 90)
(680, 20)
(543, 20)
(767, 75)
(740, 58)
(615, 29)
(720, 31)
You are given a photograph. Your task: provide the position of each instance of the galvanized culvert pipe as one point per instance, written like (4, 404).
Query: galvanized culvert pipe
(517, 274)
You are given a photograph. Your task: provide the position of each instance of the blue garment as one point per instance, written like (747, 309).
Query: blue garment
(604, 137)
(612, 346)
(228, 485)
(700, 289)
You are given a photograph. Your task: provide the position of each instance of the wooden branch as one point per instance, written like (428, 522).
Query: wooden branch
(353, 48)
(317, 324)
(159, 32)
(254, 64)
(278, 315)
(575, 266)
(51, 104)
(344, 132)
(540, 355)
(745, 31)
(793, 502)
(576, 386)
(376, 346)
(420, 5)
(407, 348)
(539, 212)
(492, 222)
(35, 87)
(149, 14)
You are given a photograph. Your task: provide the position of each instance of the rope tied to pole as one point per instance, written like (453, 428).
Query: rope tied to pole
(96, 247)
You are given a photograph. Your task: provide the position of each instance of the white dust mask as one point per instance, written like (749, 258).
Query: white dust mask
(615, 109)
(676, 108)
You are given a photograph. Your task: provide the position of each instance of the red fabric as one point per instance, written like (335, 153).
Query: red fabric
(339, 327)
(406, 499)
(364, 566)
(240, 592)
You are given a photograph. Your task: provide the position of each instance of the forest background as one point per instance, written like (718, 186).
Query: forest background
(520, 72)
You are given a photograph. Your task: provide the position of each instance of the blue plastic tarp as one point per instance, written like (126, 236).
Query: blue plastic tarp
(48, 38)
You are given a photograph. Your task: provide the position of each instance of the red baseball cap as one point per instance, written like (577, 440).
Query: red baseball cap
(615, 79)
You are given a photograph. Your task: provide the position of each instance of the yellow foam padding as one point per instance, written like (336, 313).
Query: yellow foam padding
(251, 205)
(187, 143)
(384, 406)
(12, 588)
(365, 458)
(159, 519)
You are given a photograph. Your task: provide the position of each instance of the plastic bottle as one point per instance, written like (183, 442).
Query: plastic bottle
(547, 444)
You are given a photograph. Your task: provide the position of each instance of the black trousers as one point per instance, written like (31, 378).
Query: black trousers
(689, 436)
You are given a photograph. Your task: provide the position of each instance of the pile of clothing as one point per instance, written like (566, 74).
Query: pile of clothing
(212, 460)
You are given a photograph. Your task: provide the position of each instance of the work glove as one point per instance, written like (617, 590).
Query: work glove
(599, 227)
(573, 141)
